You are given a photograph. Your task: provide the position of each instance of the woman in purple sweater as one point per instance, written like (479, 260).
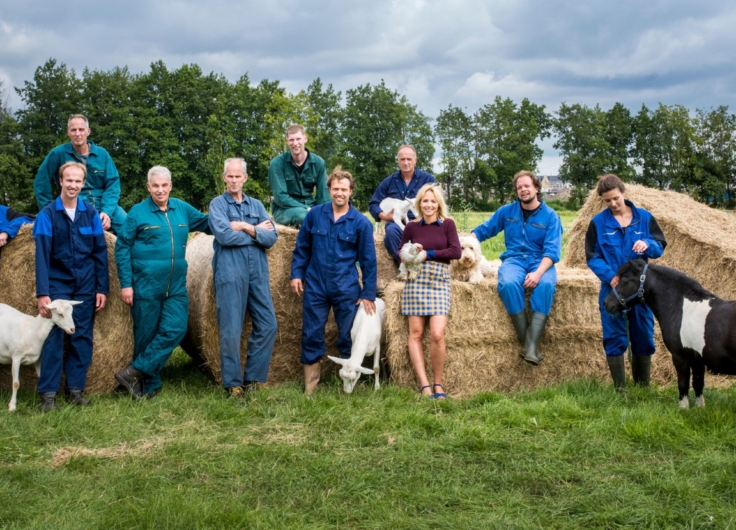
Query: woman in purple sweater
(428, 297)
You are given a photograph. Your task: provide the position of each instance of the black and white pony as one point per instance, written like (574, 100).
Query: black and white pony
(698, 328)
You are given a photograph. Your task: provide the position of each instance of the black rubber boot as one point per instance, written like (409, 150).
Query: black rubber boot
(618, 371)
(533, 334)
(132, 380)
(641, 368)
(48, 401)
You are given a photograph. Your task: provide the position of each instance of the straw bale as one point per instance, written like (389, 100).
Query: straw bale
(700, 239)
(483, 351)
(387, 269)
(113, 331)
(203, 329)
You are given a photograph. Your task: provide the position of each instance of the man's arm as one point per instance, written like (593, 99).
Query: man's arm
(111, 193)
(277, 181)
(43, 234)
(99, 256)
(374, 206)
(367, 260)
(552, 247)
(323, 195)
(43, 183)
(489, 228)
(198, 221)
(123, 248)
(221, 228)
(302, 254)
(265, 231)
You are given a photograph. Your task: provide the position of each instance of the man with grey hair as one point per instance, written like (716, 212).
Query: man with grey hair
(243, 231)
(150, 253)
(102, 186)
(298, 180)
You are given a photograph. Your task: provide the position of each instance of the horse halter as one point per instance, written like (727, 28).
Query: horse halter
(638, 294)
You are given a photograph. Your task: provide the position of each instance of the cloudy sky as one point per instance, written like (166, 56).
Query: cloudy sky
(463, 52)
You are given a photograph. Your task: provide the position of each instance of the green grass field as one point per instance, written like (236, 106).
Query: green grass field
(573, 456)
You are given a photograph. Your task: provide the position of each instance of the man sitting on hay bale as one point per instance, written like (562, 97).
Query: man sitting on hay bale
(243, 231)
(533, 235)
(10, 223)
(150, 253)
(331, 240)
(71, 264)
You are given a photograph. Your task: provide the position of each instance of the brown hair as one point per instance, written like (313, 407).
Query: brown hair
(295, 128)
(526, 173)
(339, 174)
(72, 164)
(609, 182)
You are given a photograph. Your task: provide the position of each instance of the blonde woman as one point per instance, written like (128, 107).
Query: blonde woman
(427, 298)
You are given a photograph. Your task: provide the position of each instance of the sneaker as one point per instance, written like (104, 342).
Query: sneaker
(237, 394)
(75, 397)
(48, 402)
(132, 380)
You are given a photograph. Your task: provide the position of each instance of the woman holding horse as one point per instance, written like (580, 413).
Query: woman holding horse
(428, 297)
(620, 233)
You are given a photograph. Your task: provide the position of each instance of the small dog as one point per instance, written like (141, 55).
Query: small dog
(412, 257)
(472, 265)
(400, 208)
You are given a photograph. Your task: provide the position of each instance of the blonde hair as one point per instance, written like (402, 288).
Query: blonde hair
(438, 195)
(72, 164)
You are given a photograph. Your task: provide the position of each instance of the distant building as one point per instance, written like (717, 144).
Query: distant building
(552, 185)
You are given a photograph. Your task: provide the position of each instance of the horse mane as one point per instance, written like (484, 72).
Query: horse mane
(691, 288)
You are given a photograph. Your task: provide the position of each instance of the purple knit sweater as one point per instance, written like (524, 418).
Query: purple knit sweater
(440, 238)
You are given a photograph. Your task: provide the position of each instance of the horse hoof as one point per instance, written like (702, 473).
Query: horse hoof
(684, 403)
(700, 402)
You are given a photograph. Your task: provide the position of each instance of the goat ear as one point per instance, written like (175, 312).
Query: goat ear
(74, 302)
(337, 360)
(366, 371)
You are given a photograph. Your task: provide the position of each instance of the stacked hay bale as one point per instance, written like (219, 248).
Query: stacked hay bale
(482, 348)
(113, 332)
(387, 269)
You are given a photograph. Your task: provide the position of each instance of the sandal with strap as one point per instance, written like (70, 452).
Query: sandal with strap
(431, 396)
(439, 395)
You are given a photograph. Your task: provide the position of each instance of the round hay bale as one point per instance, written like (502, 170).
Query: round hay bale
(113, 331)
(203, 329)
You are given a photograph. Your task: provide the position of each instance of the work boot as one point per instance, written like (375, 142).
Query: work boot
(250, 387)
(618, 371)
(75, 397)
(236, 394)
(48, 402)
(311, 377)
(531, 341)
(132, 380)
(641, 368)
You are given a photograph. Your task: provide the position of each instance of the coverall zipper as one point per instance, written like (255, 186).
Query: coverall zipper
(171, 232)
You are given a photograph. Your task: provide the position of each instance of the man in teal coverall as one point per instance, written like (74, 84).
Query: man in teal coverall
(102, 187)
(150, 253)
(298, 180)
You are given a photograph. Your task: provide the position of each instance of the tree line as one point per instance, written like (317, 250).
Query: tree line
(191, 122)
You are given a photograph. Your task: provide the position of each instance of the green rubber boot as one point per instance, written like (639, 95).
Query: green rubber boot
(618, 371)
(520, 325)
(533, 334)
(641, 369)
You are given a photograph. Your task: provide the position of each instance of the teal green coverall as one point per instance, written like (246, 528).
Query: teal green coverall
(150, 253)
(295, 191)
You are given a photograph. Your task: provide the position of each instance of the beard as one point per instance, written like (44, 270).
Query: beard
(529, 200)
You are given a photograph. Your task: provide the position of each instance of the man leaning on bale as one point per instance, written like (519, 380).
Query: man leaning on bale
(150, 255)
(243, 231)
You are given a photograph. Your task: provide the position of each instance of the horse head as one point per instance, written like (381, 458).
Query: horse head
(630, 288)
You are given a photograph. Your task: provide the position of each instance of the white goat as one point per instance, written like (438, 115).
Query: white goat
(22, 337)
(400, 208)
(366, 334)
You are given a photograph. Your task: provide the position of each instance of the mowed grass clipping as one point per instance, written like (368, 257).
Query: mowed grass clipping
(573, 456)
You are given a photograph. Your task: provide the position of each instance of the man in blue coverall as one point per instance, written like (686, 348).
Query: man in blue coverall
(71, 264)
(404, 184)
(332, 238)
(533, 236)
(243, 231)
(102, 186)
(150, 255)
(10, 222)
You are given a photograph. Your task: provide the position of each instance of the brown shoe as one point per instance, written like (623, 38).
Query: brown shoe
(311, 378)
(236, 394)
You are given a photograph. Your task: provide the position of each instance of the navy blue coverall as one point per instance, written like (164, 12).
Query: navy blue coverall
(71, 264)
(394, 187)
(608, 246)
(240, 270)
(325, 259)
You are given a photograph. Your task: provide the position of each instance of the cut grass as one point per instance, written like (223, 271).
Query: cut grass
(573, 456)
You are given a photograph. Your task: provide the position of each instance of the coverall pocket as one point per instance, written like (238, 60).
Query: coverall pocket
(347, 242)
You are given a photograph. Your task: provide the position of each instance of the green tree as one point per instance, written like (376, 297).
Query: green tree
(716, 130)
(15, 183)
(454, 132)
(324, 133)
(619, 134)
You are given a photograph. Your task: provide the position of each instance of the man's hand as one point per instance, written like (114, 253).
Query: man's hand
(100, 301)
(614, 281)
(639, 247)
(106, 222)
(267, 224)
(297, 287)
(127, 295)
(43, 301)
(369, 305)
(3, 238)
(240, 226)
(388, 217)
(532, 280)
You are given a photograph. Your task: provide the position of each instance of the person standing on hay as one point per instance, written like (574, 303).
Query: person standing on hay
(102, 187)
(331, 240)
(620, 233)
(10, 223)
(427, 298)
(243, 231)
(533, 236)
(297, 179)
(150, 255)
(402, 185)
(71, 264)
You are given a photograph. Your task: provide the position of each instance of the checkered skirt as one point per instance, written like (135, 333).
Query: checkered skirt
(429, 294)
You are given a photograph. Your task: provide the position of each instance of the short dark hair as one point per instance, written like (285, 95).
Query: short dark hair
(609, 182)
(339, 174)
(526, 173)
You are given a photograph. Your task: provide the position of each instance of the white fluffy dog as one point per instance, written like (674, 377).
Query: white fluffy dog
(472, 265)
(400, 208)
(412, 257)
